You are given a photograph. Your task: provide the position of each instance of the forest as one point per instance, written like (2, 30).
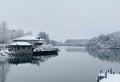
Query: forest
(111, 40)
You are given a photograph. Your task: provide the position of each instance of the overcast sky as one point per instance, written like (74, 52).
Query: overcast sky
(63, 19)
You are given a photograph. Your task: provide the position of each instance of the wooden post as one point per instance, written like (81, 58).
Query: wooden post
(111, 71)
(105, 74)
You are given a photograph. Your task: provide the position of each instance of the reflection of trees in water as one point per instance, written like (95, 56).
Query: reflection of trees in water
(29, 59)
(4, 68)
(75, 49)
(105, 54)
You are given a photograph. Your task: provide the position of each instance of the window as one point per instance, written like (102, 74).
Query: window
(28, 47)
(18, 48)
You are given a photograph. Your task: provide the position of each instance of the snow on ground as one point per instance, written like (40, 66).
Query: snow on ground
(112, 78)
(3, 55)
(45, 47)
(102, 74)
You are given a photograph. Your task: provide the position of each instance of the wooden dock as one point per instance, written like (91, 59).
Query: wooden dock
(105, 74)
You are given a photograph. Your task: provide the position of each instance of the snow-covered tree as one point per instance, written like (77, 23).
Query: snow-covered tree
(6, 34)
(3, 31)
(106, 41)
(43, 35)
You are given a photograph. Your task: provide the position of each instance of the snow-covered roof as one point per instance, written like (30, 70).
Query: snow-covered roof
(29, 37)
(42, 39)
(20, 44)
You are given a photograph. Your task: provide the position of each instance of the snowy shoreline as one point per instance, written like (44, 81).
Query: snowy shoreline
(112, 78)
(108, 76)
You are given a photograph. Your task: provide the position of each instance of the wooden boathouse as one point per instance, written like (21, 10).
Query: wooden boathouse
(21, 48)
(25, 44)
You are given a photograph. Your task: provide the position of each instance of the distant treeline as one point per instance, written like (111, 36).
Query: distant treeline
(75, 42)
(55, 43)
(111, 40)
(106, 41)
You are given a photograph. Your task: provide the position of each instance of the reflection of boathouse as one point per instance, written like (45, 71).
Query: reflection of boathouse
(29, 59)
(20, 59)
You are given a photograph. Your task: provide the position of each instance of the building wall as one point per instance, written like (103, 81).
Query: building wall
(22, 49)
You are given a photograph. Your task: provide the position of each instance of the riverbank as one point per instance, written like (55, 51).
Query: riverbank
(108, 76)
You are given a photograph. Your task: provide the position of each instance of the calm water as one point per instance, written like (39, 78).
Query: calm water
(72, 64)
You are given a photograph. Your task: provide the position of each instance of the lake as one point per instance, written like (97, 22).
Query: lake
(71, 64)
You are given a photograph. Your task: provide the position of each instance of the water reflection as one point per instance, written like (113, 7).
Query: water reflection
(75, 49)
(29, 59)
(4, 68)
(112, 55)
(39, 59)
(5, 64)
